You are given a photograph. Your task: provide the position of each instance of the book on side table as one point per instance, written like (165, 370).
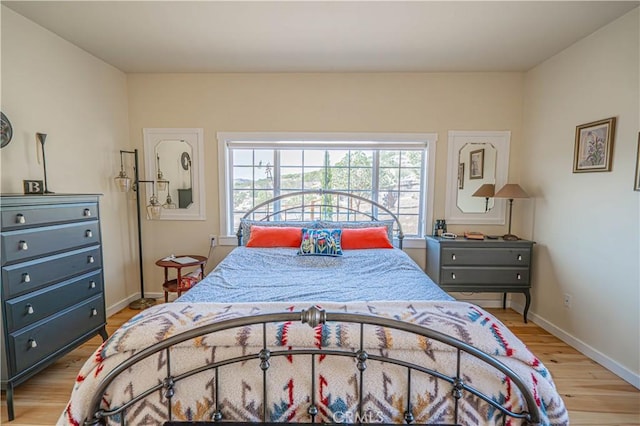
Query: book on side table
(474, 235)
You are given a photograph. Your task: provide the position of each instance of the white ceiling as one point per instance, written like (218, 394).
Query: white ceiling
(322, 36)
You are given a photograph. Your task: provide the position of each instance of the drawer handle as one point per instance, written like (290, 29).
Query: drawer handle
(90, 259)
(20, 218)
(88, 233)
(33, 343)
(453, 276)
(519, 276)
(87, 213)
(29, 309)
(453, 257)
(94, 312)
(92, 284)
(519, 257)
(22, 245)
(26, 278)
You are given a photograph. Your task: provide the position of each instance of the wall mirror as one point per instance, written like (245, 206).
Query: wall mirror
(475, 159)
(174, 160)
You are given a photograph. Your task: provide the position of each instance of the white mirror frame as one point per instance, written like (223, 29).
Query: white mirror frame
(458, 139)
(195, 138)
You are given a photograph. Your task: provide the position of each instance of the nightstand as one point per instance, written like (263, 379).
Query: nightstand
(481, 266)
(180, 284)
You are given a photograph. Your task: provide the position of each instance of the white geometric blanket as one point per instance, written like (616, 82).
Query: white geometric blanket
(336, 378)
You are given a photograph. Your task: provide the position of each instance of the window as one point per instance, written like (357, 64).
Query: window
(394, 170)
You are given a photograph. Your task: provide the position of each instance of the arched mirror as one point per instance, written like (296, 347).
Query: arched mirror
(174, 160)
(476, 159)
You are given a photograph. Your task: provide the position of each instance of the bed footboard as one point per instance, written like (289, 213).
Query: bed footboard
(364, 406)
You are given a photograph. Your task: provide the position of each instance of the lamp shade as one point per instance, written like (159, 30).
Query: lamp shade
(123, 182)
(485, 190)
(511, 190)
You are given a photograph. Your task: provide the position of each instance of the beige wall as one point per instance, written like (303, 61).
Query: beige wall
(587, 225)
(411, 102)
(53, 87)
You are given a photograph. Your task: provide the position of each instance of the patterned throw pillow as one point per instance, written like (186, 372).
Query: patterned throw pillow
(321, 242)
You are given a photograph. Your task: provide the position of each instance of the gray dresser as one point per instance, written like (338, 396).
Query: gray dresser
(52, 283)
(481, 266)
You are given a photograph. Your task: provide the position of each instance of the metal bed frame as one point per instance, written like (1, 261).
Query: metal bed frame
(270, 209)
(313, 317)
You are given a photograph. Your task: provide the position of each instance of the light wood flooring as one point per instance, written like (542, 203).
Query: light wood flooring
(593, 395)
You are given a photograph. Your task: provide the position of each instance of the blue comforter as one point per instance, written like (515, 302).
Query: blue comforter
(279, 274)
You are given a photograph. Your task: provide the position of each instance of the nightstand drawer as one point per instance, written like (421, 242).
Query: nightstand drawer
(29, 308)
(486, 257)
(512, 276)
(22, 217)
(21, 245)
(23, 277)
(42, 339)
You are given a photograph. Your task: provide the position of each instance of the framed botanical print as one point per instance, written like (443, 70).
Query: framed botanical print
(476, 164)
(594, 146)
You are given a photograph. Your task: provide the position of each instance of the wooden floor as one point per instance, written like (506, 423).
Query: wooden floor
(593, 395)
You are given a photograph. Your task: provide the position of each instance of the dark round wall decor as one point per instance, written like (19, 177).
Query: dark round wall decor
(185, 159)
(7, 130)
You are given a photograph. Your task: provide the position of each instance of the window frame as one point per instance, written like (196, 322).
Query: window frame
(324, 140)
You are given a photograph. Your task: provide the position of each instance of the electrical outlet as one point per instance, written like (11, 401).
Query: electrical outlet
(213, 240)
(567, 300)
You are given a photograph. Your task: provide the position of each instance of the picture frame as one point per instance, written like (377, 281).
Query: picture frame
(593, 149)
(461, 176)
(476, 164)
(636, 182)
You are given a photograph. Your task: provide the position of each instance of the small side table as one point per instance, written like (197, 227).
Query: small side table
(173, 284)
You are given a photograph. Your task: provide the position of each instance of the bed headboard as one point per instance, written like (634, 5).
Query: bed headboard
(322, 205)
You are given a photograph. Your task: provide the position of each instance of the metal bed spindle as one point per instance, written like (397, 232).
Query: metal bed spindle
(313, 317)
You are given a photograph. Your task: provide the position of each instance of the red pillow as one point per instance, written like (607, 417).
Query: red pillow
(365, 238)
(275, 236)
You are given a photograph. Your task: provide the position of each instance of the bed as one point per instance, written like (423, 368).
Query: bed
(273, 335)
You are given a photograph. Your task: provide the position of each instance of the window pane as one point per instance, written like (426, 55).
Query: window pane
(410, 178)
(242, 157)
(242, 177)
(263, 157)
(361, 179)
(361, 159)
(411, 158)
(314, 157)
(388, 178)
(338, 157)
(409, 202)
(291, 157)
(242, 200)
(291, 178)
(389, 158)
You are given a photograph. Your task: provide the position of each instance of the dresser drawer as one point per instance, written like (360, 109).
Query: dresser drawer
(507, 256)
(512, 276)
(28, 276)
(29, 308)
(20, 217)
(27, 244)
(42, 339)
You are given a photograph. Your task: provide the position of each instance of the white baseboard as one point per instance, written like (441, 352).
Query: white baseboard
(118, 306)
(590, 352)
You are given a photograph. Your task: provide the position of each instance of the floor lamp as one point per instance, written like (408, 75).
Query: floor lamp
(154, 209)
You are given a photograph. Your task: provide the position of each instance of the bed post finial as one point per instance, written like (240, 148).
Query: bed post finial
(313, 316)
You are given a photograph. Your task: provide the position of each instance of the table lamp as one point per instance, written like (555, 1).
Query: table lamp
(487, 190)
(511, 191)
